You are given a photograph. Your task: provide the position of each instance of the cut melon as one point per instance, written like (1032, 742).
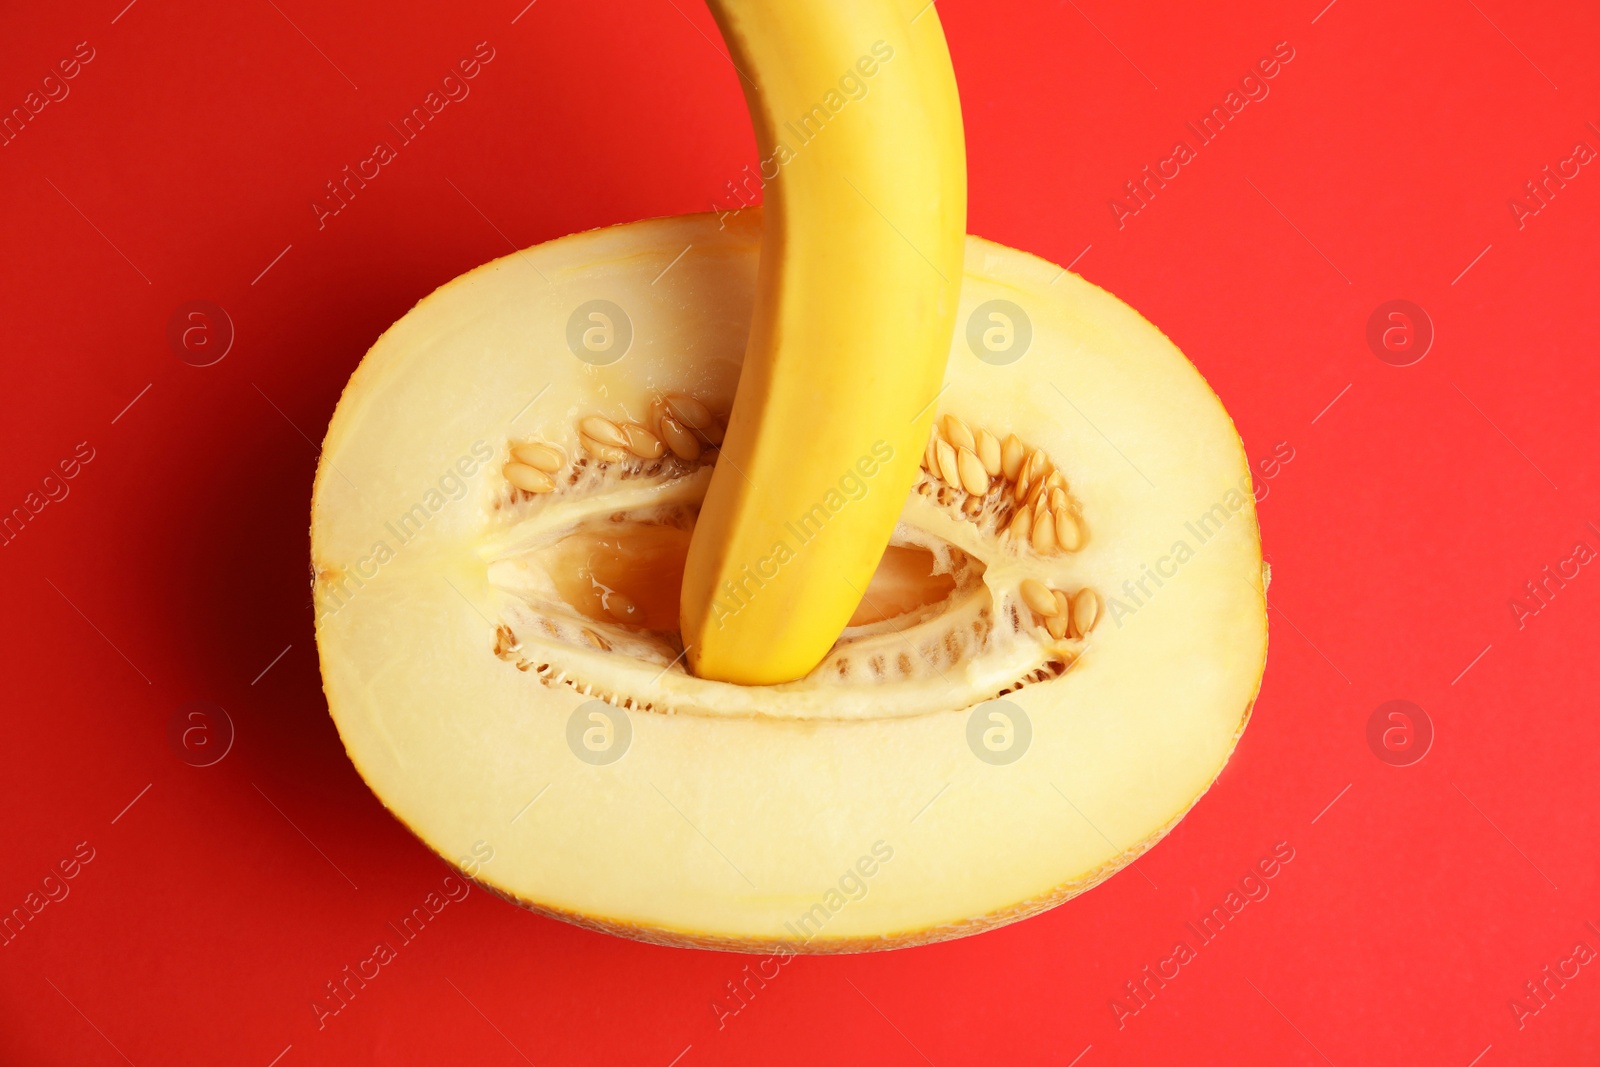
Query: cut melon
(499, 529)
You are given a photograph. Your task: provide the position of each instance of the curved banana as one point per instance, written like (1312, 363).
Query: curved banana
(859, 127)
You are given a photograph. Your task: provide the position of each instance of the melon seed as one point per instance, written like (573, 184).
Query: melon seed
(1044, 533)
(1036, 466)
(547, 458)
(603, 430)
(1022, 524)
(684, 444)
(989, 452)
(1038, 596)
(1019, 492)
(620, 606)
(1011, 456)
(689, 411)
(1085, 611)
(1069, 535)
(652, 419)
(529, 479)
(973, 477)
(643, 443)
(602, 451)
(958, 433)
(1058, 625)
(949, 468)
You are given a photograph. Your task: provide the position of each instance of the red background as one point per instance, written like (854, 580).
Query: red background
(1417, 505)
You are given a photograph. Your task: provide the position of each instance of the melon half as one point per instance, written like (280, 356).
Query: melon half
(1051, 665)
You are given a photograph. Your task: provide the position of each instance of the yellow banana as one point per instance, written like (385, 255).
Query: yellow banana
(858, 123)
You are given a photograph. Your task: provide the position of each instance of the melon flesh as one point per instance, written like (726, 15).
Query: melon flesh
(821, 815)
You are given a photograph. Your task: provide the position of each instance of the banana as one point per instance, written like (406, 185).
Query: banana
(858, 123)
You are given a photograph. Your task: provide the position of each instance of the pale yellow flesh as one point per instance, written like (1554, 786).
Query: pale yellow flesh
(723, 829)
(855, 302)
